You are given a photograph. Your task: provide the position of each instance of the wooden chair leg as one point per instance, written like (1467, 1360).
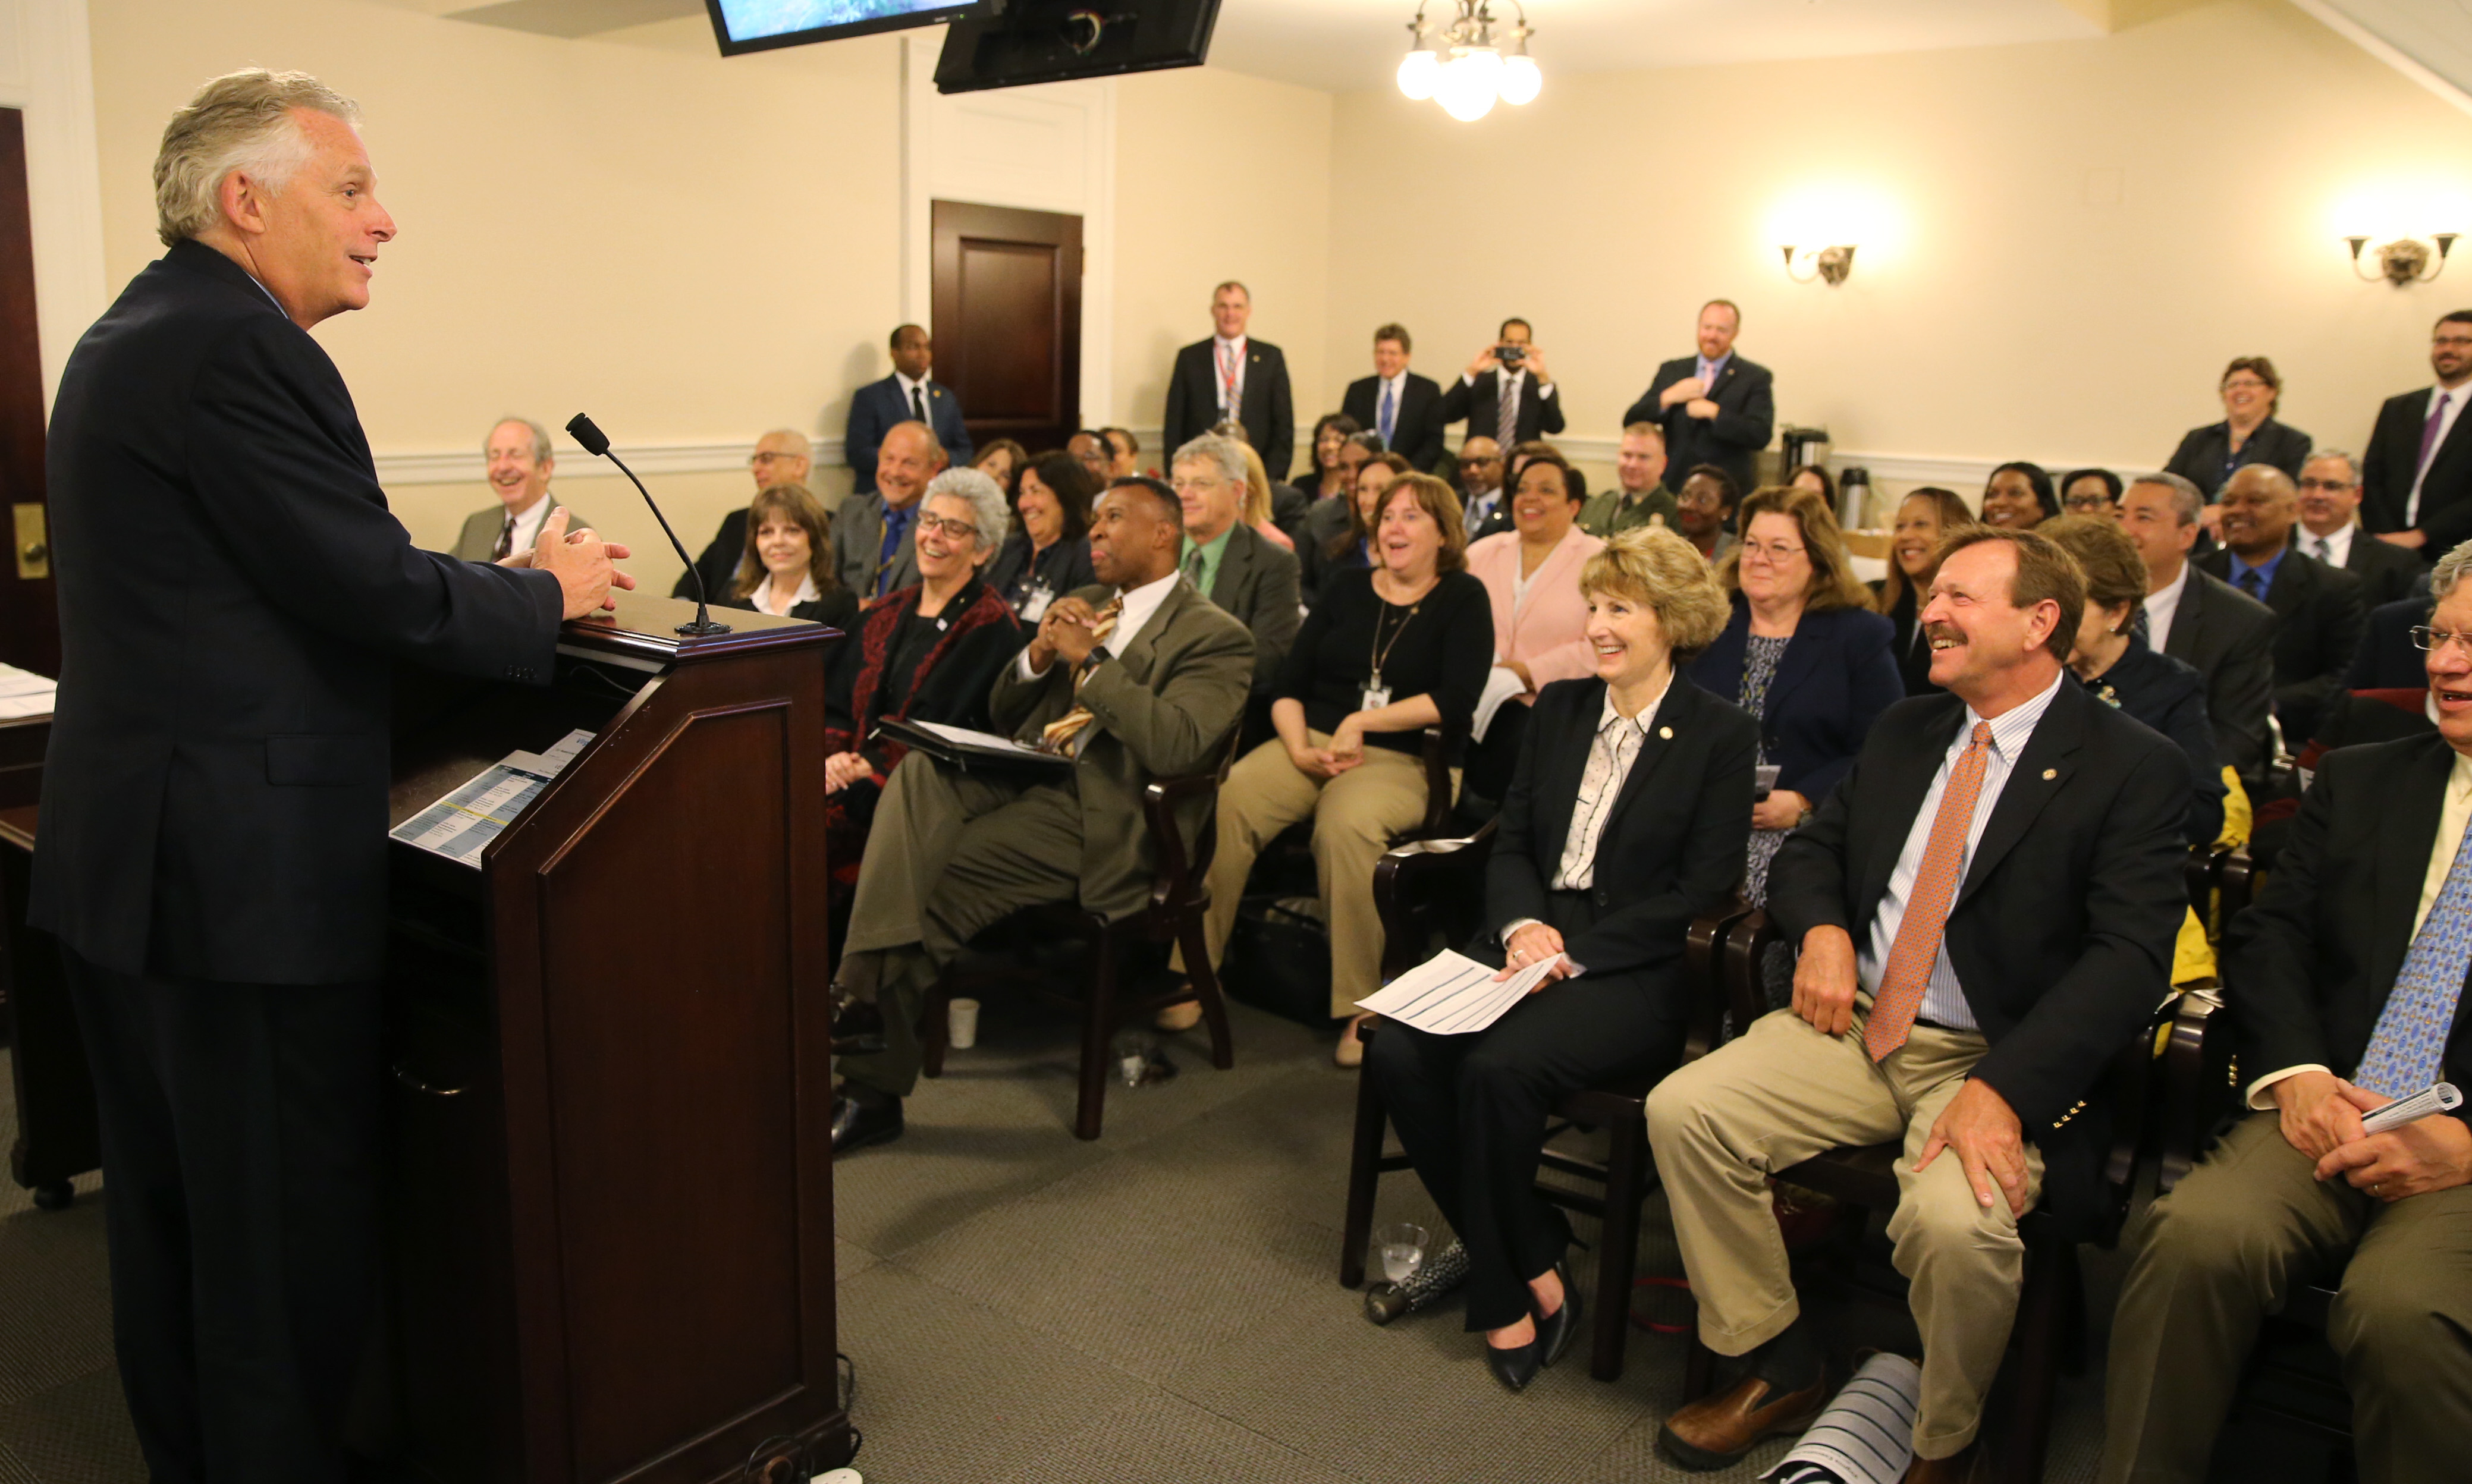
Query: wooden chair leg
(2042, 1309)
(1363, 1174)
(1205, 988)
(1618, 1245)
(1097, 1022)
(935, 1029)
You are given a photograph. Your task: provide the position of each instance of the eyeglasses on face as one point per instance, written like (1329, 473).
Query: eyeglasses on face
(2329, 486)
(2088, 504)
(1772, 552)
(2436, 640)
(957, 529)
(759, 461)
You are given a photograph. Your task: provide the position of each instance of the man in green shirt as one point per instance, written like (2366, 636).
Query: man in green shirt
(1642, 498)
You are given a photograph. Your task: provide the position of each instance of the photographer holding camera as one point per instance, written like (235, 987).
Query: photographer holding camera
(1506, 393)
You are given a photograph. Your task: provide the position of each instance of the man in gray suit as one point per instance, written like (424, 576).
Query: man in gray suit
(2203, 621)
(1228, 562)
(517, 450)
(873, 553)
(1139, 677)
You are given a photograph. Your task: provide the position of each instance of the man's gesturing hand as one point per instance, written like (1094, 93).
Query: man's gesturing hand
(580, 563)
(1823, 982)
(1983, 1130)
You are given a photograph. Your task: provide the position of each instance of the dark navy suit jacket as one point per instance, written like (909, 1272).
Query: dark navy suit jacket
(879, 405)
(1838, 673)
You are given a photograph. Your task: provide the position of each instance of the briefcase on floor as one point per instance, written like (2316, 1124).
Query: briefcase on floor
(1278, 958)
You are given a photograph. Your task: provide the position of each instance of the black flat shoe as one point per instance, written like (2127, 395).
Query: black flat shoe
(858, 1123)
(857, 1026)
(1554, 1331)
(1514, 1367)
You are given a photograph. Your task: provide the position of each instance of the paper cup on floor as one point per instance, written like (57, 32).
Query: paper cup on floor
(964, 1018)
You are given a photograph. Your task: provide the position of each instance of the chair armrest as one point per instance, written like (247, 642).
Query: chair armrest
(1180, 873)
(1703, 971)
(1408, 874)
(1438, 797)
(2234, 882)
(2194, 1087)
(1747, 943)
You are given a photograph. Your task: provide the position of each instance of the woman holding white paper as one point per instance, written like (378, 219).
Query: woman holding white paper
(1626, 819)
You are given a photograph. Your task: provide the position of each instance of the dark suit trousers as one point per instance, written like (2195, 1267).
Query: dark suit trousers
(239, 1162)
(950, 855)
(1471, 1110)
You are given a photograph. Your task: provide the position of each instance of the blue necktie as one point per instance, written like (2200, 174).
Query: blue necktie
(897, 526)
(1383, 421)
(2253, 583)
(2409, 1044)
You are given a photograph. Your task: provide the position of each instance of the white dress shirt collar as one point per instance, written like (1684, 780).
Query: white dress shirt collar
(528, 523)
(1136, 608)
(2339, 546)
(2163, 606)
(908, 386)
(762, 597)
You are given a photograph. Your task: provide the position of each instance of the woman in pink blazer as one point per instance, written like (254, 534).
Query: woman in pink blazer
(1531, 573)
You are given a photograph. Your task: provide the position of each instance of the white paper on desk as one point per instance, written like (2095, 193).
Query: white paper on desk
(1452, 995)
(34, 703)
(1501, 683)
(964, 734)
(462, 824)
(24, 682)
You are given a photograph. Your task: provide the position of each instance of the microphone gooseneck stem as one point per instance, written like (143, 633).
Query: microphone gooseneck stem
(703, 624)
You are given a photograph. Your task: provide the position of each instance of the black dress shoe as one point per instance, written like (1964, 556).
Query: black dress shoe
(857, 1026)
(860, 1121)
(1555, 1331)
(1514, 1367)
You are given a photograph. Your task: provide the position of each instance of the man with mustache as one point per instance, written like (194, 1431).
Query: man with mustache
(1985, 909)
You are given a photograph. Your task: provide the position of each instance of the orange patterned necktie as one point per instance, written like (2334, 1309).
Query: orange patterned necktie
(1057, 735)
(1911, 958)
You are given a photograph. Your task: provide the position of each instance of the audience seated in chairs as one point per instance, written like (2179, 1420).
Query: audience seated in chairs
(1639, 495)
(1817, 479)
(872, 553)
(1330, 475)
(1384, 654)
(1986, 910)
(2198, 618)
(1704, 508)
(929, 652)
(1227, 560)
(2019, 496)
(787, 570)
(2317, 608)
(781, 457)
(1803, 652)
(1540, 618)
(1925, 518)
(1268, 505)
(2343, 984)
(1137, 678)
(2390, 659)
(2093, 492)
(1625, 821)
(1050, 555)
(1339, 534)
(1002, 461)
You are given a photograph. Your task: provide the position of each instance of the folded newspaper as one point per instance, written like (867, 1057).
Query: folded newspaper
(1867, 1435)
(462, 825)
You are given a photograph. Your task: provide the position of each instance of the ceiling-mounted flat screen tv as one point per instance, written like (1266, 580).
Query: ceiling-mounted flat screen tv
(760, 25)
(1013, 43)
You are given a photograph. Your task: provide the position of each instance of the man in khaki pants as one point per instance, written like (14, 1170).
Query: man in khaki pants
(1986, 910)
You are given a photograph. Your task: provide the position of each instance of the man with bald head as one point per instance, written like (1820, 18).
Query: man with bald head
(2317, 608)
(519, 462)
(872, 551)
(781, 457)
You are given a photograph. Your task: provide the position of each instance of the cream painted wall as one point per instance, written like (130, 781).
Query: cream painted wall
(1219, 176)
(2061, 243)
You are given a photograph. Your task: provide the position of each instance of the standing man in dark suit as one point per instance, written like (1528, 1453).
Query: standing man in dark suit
(906, 395)
(213, 853)
(1715, 407)
(1231, 377)
(1506, 393)
(2416, 482)
(2201, 620)
(2330, 530)
(1985, 909)
(1229, 562)
(2318, 609)
(2343, 991)
(1396, 403)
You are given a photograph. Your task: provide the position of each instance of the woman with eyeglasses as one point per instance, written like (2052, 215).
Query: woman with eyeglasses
(1329, 473)
(2249, 432)
(1803, 652)
(927, 653)
(2093, 492)
(1050, 555)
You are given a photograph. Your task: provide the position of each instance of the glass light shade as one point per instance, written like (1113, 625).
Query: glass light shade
(1418, 72)
(1520, 79)
(1466, 88)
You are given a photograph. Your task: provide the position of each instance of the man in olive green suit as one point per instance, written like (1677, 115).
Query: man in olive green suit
(1137, 678)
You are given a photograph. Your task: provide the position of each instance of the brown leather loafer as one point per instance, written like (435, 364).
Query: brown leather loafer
(1715, 1431)
(1958, 1468)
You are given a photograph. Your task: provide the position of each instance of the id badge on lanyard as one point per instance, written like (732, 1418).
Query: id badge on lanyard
(1034, 603)
(1376, 695)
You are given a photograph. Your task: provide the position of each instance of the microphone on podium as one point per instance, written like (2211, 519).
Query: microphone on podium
(585, 431)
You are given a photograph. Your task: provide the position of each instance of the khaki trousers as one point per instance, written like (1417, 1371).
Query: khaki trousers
(1784, 1092)
(1354, 816)
(2226, 1248)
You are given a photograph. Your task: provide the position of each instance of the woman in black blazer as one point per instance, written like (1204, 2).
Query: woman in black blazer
(787, 567)
(1624, 821)
(1049, 555)
(2249, 432)
(1804, 653)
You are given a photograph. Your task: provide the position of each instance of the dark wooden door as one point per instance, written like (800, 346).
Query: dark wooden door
(1007, 311)
(30, 618)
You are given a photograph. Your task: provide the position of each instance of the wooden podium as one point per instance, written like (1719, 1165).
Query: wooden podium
(611, 1215)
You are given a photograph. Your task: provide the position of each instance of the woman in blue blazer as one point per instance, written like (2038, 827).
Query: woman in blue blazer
(1804, 653)
(1624, 821)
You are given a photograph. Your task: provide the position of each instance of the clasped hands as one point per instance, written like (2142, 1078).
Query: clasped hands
(1693, 391)
(581, 561)
(2321, 1118)
(844, 768)
(1977, 1124)
(1067, 631)
(1346, 750)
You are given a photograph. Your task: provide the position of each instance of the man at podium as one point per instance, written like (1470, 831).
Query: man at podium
(211, 846)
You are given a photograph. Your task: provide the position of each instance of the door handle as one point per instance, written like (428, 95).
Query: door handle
(34, 542)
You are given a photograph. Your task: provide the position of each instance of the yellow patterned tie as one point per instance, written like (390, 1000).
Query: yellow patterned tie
(1057, 735)
(1900, 995)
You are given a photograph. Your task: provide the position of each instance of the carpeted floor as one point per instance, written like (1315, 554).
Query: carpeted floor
(1161, 1304)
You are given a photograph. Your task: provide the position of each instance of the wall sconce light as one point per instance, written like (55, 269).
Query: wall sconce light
(1828, 265)
(2405, 260)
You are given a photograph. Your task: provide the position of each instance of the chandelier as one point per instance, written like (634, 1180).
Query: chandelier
(1470, 62)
